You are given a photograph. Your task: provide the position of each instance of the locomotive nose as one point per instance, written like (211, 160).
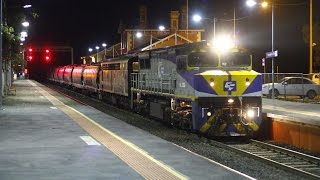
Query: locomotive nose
(226, 83)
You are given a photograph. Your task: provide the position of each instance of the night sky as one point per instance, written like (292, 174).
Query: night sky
(83, 24)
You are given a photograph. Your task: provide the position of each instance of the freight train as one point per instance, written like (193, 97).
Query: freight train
(192, 86)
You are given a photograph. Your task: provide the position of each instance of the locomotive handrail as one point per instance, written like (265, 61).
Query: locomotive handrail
(151, 83)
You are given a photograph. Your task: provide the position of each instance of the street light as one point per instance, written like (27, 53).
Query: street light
(251, 3)
(97, 48)
(27, 6)
(197, 18)
(264, 4)
(139, 35)
(90, 49)
(105, 49)
(25, 24)
(24, 34)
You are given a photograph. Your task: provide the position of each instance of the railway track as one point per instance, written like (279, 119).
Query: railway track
(288, 160)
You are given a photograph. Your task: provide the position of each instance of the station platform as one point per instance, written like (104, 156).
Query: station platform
(295, 111)
(294, 123)
(45, 135)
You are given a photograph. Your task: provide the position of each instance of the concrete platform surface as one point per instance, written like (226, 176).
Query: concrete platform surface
(292, 111)
(43, 138)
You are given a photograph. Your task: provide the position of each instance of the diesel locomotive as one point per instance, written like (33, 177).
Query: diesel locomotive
(193, 86)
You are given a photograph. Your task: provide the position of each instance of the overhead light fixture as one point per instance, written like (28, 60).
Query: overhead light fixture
(25, 24)
(27, 6)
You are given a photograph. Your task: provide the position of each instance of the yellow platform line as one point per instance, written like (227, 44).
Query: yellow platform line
(276, 108)
(144, 164)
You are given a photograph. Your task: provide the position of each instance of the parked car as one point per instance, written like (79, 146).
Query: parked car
(292, 86)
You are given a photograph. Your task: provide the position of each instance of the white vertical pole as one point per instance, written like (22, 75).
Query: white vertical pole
(187, 19)
(234, 26)
(1, 83)
(272, 46)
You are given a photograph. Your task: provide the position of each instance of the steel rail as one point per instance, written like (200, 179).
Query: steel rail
(289, 160)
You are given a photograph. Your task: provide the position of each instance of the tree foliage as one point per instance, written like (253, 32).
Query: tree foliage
(13, 16)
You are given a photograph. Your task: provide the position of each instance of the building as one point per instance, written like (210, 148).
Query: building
(177, 33)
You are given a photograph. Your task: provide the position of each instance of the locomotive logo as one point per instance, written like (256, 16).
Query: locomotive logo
(230, 86)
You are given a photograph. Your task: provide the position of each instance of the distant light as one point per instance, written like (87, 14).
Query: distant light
(104, 44)
(97, 47)
(197, 18)
(264, 4)
(314, 44)
(209, 114)
(138, 34)
(90, 49)
(21, 44)
(161, 28)
(24, 34)
(25, 24)
(27, 6)
(251, 3)
(22, 39)
(211, 84)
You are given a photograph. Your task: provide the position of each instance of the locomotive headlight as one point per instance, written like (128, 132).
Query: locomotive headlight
(223, 43)
(247, 82)
(209, 114)
(250, 113)
(211, 82)
(230, 101)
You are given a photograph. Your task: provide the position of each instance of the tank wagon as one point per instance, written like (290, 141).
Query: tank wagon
(192, 86)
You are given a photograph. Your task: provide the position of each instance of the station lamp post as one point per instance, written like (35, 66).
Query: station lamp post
(97, 48)
(264, 4)
(105, 48)
(197, 18)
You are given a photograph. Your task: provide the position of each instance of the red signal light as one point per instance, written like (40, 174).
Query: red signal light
(26, 71)
(30, 49)
(30, 58)
(47, 55)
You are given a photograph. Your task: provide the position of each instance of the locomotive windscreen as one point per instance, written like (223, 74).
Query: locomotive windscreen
(236, 59)
(203, 59)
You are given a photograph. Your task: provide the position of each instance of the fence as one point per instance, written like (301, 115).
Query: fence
(291, 86)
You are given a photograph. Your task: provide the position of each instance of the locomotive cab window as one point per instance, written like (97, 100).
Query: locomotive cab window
(235, 60)
(203, 59)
